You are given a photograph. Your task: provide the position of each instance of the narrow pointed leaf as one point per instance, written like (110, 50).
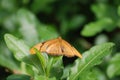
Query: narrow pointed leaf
(41, 59)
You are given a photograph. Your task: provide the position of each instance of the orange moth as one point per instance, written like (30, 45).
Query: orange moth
(56, 47)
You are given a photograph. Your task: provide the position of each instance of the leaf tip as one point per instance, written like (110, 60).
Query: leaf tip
(6, 35)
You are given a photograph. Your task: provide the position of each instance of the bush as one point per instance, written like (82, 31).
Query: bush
(92, 27)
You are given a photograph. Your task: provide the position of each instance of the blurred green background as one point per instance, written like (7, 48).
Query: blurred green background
(83, 23)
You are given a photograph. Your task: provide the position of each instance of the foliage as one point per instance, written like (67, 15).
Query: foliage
(48, 64)
(90, 59)
(91, 26)
(18, 77)
(114, 67)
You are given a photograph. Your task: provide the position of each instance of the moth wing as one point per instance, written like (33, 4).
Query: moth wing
(56, 46)
(51, 47)
(69, 51)
(76, 52)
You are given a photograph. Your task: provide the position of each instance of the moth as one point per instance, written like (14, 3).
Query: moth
(56, 47)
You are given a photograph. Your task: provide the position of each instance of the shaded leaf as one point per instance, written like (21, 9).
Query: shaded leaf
(47, 32)
(34, 60)
(10, 23)
(118, 10)
(56, 67)
(44, 78)
(28, 23)
(9, 5)
(76, 22)
(7, 60)
(93, 74)
(42, 5)
(18, 77)
(93, 28)
(42, 60)
(114, 66)
(72, 24)
(66, 72)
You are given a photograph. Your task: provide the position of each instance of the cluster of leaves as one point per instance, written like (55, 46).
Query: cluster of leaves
(35, 21)
(51, 68)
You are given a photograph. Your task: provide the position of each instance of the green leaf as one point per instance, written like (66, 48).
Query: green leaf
(56, 67)
(76, 22)
(44, 78)
(72, 24)
(49, 32)
(10, 23)
(42, 60)
(8, 5)
(42, 5)
(93, 28)
(49, 66)
(114, 66)
(90, 58)
(106, 17)
(66, 71)
(18, 77)
(28, 23)
(64, 26)
(119, 10)
(18, 47)
(34, 60)
(102, 10)
(21, 51)
(93, 74)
